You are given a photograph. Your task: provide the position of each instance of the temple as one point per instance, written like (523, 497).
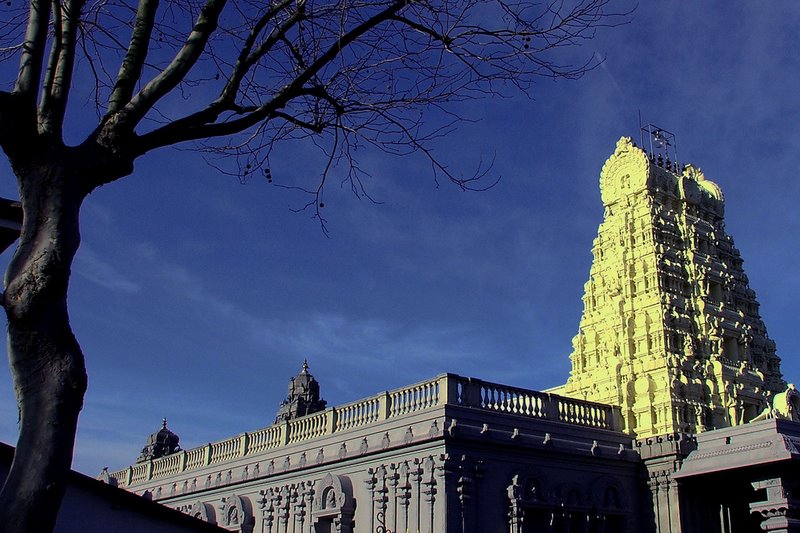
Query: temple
(670, 330)
(675, 417)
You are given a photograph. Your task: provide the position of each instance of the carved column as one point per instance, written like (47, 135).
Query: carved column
(283, 510)
(268, 505)
(416, 475)
(371, 482)
(450, 508)
(662, 457)
(404, 495)
(380, 500)
(393, 480)
(309, 499)
(430, 492)
(516, 510)
(780, 512)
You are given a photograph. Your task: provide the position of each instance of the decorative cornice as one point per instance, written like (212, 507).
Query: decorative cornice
(728, 451)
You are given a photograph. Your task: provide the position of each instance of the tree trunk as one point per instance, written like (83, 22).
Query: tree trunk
(46, 362)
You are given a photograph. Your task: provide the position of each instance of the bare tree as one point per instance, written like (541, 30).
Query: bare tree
(236, 77)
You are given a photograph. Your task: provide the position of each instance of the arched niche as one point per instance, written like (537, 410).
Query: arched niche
(334, 506)
(237, 512)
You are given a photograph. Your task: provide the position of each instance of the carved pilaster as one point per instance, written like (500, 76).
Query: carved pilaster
(393, 480)
(416, 476)
(269, 502)
(380, 500)
(371, 482)
(404, 493)
(283, 508)
(516, 511)
(780, 512)
(662, 456)
(430, 491)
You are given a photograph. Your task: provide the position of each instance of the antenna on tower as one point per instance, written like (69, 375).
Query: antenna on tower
(641, 130)
(663, 146)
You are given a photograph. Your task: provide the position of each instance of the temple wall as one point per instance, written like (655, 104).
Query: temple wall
(449, 454)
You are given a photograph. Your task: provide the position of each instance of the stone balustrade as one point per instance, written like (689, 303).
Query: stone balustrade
(481, 394)
(447, 389)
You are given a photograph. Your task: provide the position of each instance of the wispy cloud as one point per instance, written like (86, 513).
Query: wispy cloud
(89, 265)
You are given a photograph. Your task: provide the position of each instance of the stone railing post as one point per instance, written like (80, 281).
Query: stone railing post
(184, 457)
(285, 433)
(384, 404)
(207, 455)
(448, 389)
(129, 476)
(149, 470)
(471, 393)
(244, 441)
(615, 418)
(330, 421)
(550, 407)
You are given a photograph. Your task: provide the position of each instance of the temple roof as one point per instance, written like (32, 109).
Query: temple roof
(160, 443)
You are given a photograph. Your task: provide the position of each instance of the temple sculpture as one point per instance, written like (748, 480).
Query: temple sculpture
(671, 330)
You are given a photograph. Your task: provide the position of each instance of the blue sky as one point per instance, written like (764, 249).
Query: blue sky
(195, 297)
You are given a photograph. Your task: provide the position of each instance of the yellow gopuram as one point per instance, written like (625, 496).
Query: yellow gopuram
(670, 330)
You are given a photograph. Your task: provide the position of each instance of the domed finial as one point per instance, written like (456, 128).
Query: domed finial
(162, 442)
(303, 397)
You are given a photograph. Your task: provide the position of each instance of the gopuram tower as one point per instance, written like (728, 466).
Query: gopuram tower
(670, 330)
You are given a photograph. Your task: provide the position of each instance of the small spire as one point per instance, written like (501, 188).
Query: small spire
(303, 397)
(162, 442)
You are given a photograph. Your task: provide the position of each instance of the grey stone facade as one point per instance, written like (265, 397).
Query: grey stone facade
(449, 454)
(456, 454)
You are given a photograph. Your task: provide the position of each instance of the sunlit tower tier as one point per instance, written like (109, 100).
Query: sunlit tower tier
(670, 330)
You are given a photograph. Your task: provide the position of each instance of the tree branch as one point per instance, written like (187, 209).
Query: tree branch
(246, 60)
(186, 129)
(52, 62)
(58, 82)
(316, 128)
(174, 73)
(135, 56)
(423, 29)
(30, 65)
